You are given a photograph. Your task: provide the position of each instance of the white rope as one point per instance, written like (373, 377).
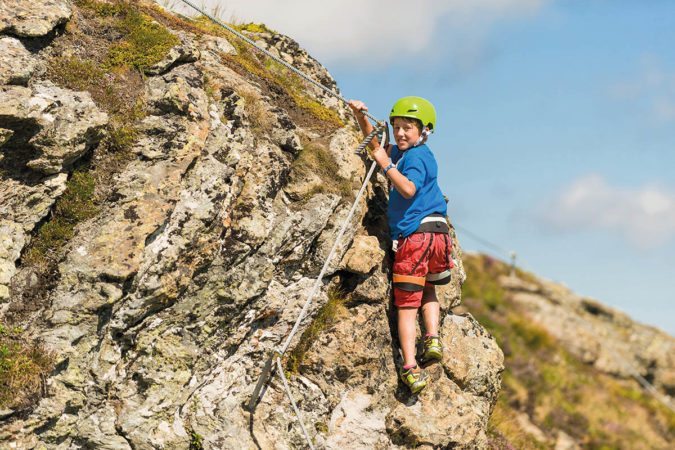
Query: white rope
(280, 370)
(379, 127)
(317, 283)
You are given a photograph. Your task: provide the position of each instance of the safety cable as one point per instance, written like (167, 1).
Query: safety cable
(380, 127)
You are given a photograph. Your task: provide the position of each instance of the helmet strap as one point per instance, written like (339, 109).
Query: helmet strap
(423, 136)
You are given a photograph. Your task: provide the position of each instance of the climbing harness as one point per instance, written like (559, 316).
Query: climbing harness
(435, 226)
(379, 128)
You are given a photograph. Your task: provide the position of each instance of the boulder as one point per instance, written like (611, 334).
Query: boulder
(33, 18)
(16, 63)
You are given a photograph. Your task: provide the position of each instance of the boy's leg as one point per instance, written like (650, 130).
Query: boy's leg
(431, 310)
(407, 333)
(433, 349)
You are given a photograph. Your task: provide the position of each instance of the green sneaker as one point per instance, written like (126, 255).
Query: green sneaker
(414, 378)
(433, 349)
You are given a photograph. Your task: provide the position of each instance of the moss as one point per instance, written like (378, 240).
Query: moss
(254, 28)
(144, 44)
(23, 368)
(74, 206)
(321, 427)
(325, 317)
(102, 9)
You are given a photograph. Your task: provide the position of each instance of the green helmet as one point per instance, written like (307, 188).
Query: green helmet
(415, 108)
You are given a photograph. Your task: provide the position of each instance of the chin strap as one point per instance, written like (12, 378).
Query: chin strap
(423, 137)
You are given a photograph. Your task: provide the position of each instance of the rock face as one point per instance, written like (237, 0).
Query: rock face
(199, 261)
(32, 19)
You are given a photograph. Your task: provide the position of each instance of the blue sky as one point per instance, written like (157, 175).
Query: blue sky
(556, 130)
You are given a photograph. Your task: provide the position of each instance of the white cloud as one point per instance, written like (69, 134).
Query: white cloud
(645, 215)
(652, 89)
(368, 32)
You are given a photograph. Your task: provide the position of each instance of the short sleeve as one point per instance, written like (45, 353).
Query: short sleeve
(415, 171)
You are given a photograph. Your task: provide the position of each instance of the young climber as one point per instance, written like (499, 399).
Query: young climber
(419, 231)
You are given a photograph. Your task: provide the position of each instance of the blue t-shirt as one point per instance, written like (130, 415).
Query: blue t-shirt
(419, 166)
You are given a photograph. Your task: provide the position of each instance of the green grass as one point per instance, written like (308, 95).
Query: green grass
(23, 368)
(196, 441)
(327, 315)
(144, 42)
(74, 206)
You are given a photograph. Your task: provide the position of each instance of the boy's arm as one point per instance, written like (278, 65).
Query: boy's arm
(401, 183)
(357, 108)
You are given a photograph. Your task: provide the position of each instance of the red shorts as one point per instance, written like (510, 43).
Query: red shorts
(421, 259)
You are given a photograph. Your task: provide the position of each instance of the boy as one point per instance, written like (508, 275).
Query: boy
(419, 231)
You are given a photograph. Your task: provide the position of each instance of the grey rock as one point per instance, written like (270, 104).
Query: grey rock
(68, 123)
(363, 256)
(5, 135)
(16, 63)
(168, 302)
(185, 52)
(471, 356)
(33, 18)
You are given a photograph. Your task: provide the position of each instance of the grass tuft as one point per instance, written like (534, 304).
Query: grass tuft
(196, 441)
(74, 206)
(24, 366)
(327, 315)
(316, 159)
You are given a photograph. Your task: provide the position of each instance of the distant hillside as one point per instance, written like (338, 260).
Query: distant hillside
(567, 382)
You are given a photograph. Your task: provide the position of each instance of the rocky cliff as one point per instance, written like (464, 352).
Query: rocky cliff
(168, 197)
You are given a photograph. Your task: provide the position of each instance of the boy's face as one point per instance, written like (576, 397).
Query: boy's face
(406, 132)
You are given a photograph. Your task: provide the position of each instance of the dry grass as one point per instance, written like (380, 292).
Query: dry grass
(327, 315)
(24, 367)
(316, 159)
(262, 121)
(556, 390)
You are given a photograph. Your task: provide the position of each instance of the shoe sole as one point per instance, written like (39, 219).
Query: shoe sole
(431, 355)
(418, 389)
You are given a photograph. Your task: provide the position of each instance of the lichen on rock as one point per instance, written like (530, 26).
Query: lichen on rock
(204, 244)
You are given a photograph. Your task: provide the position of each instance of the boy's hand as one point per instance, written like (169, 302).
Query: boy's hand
(357, 106)
(380, 156)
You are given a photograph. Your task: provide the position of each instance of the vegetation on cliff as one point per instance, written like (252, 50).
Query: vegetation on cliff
(24, 366)
(546, 388)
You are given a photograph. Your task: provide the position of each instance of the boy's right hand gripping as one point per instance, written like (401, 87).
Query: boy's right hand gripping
(357, 106)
